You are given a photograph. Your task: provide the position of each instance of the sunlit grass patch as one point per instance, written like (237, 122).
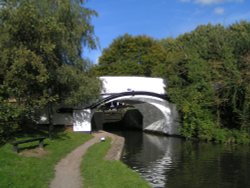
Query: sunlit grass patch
(20, 170)
(100, 173)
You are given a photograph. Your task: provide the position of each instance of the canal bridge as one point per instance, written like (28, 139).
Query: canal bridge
(147, 95)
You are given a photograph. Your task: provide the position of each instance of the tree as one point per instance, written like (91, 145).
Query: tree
(131, 55)
(240, 40)
(204, 80)
(39, 40)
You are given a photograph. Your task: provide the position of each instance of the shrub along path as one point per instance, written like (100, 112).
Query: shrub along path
(68, 169)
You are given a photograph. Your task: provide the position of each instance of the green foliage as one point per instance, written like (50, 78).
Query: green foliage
(9, 117)
(40, 53)
(240, 38)
(129, 55)
(208, 86)
(98, 172)
(83, 88)
(21, 171)
(207, 73)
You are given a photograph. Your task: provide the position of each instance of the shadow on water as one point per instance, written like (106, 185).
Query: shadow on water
(172, 162)
(210, 165)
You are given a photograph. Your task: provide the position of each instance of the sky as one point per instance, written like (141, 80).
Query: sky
(159, 18)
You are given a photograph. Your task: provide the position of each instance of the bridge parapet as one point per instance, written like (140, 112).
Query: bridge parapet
(119, 84)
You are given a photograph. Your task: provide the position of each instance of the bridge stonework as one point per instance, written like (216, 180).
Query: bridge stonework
(146, 94)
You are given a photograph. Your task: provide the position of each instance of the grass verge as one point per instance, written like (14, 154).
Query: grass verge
(18, 171)
(100, 173)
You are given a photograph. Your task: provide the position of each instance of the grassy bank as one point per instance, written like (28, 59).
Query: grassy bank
(100, 173)
(20, 171)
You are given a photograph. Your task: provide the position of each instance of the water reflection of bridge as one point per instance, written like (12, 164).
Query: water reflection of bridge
(151, 156)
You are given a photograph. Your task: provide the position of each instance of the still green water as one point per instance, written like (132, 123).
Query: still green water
(176, 163)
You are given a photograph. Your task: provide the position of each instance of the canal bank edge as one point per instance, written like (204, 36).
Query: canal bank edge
(117, 146)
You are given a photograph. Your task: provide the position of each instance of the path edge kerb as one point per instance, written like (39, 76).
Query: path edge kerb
(117, 147)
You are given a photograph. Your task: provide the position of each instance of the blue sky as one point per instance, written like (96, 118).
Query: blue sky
(159, 18)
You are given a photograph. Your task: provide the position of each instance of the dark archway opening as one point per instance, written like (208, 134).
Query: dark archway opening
(130, 120)
(121, 117)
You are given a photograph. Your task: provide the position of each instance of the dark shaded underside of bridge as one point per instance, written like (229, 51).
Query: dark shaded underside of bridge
(113, 120)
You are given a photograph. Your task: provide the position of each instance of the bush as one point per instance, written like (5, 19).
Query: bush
(9, 119)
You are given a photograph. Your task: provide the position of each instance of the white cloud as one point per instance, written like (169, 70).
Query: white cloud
(211, 2)
(219, 10)
(185, 1)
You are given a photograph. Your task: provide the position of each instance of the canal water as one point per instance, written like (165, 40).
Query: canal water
(176, 163)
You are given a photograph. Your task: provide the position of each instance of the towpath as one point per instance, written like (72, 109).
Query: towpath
(67, 171)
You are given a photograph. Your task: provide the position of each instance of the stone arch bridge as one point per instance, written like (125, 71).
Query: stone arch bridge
(146, 94)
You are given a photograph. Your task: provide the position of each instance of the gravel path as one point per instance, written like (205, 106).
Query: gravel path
(67, 171)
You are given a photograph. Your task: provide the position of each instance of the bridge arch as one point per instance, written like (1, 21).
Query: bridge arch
(159, 115)
(148, 95)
